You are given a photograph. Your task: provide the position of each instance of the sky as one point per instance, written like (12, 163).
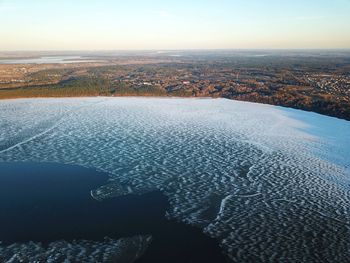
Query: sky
(174, 24)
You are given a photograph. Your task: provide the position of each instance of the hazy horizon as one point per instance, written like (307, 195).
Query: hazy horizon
(180, 50)
(106, 25)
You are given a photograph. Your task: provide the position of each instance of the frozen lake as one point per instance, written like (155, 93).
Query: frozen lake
(46, 60)
(46, 203)
(270, 184)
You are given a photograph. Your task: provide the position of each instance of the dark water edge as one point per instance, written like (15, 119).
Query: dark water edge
(48, 201)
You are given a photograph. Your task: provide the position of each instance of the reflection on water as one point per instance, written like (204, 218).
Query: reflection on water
(46, 60)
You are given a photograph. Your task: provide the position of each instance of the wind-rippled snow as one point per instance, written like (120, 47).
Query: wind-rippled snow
(256, 177)
(125, 250)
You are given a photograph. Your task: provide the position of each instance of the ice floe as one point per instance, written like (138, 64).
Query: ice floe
(125, 250)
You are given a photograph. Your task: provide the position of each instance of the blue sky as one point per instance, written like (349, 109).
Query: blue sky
(180, 24)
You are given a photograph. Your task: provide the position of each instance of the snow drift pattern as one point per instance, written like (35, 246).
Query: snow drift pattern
(250, 175)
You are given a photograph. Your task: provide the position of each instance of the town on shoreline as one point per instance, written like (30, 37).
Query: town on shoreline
(313, 81)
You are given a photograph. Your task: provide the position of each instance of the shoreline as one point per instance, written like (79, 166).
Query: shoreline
(177, 97)
(120, 96)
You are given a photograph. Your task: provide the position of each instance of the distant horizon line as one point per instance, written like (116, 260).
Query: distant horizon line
(170, 50)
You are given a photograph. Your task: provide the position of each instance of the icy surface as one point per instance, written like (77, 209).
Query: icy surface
(125, 250)
(266, 182)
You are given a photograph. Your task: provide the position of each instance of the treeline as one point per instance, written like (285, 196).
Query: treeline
(85, 86)
(122, 89)
(81, 87)
(73, 87)
(326, 105)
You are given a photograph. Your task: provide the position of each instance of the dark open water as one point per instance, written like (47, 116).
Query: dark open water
(47, 202)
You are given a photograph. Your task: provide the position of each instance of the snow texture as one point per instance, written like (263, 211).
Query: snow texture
(125, 250)
(271, 184)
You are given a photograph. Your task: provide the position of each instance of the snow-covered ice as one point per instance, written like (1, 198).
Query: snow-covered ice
(271, 184)
(125, 250)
